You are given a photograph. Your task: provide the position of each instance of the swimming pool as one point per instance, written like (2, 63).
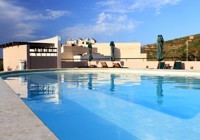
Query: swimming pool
(98, 106)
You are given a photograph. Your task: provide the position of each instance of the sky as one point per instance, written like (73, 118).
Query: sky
(104, 20)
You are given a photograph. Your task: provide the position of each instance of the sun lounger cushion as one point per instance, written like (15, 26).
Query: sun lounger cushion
(161, 65)
(116, 65)
(104, 65)
(177, 65)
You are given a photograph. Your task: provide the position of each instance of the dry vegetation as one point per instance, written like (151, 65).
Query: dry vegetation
(176, 49)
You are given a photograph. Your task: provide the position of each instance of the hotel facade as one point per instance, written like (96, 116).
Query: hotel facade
(50, 53)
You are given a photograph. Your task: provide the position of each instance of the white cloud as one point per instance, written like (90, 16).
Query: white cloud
(20, 23)
(105, 24)
(113, 6)
(16, 21)
(53, 14)
(126, 6)
(115, 17)
(155, 4)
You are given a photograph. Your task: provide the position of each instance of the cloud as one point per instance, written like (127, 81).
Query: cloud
(114, 23)
(53, 14)
(20, 23)
(127, 6)
(16, 21)
(116, 16)
(113, 6)
(105, 24)
(155, 4)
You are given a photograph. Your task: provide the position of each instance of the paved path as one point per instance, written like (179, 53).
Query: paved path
(17, 121)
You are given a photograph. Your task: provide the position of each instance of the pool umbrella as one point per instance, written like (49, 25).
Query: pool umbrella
(90, 81)
(90, 51)
(112, 46)
(160, 42)
(112, 82)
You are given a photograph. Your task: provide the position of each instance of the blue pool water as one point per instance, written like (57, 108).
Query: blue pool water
(108, 106)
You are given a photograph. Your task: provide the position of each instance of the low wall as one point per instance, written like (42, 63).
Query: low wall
(190, 64)
(187, 65)
(66, 64)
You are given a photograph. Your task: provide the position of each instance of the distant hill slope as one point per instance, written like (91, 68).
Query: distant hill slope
(177, 48)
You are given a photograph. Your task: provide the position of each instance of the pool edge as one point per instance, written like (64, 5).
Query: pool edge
(17, 120)
(159, 72)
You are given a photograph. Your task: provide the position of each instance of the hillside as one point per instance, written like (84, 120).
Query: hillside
(176, 49)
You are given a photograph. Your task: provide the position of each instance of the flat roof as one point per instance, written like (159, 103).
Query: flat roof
(26, 43)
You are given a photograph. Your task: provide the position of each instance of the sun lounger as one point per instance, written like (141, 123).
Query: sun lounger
(116, 65)
(104, 65)
(161, 65)
(177, 65)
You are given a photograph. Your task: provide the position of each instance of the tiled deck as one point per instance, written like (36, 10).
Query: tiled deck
(17, 121)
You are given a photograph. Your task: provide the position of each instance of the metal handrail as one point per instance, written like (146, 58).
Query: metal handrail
(117, 59)
(99, 59)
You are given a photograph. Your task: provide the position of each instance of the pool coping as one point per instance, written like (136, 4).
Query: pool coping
(19, 122)
(159, 72)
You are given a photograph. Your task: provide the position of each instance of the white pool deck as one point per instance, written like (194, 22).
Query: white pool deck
(18, 122)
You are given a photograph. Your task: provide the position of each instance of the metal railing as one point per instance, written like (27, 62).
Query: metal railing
(103, 59)
(126, 59)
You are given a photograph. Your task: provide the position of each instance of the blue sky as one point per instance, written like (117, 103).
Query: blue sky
(104, 20)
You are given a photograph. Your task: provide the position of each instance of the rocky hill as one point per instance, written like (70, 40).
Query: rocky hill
(176, 49)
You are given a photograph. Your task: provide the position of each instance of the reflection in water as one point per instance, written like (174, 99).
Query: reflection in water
(47, 88)
(136, 89)
(112, 82)
(114, 96)
(37, 87)
(159, 90)
(90, 81)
